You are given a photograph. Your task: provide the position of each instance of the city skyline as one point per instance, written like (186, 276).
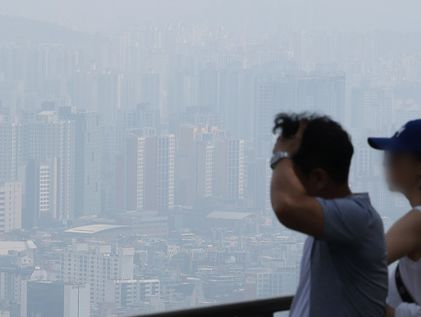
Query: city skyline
(134, 153)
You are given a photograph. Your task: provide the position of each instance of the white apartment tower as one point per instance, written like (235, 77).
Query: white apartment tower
(204, 168)
(229, 178)
(150, 172)
(131, 293)
(166, 165)
(10, 151)
(96, 265)
(10, 207)
(54, 139)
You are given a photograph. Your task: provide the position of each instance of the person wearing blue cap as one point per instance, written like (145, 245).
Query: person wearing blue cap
(403, 173)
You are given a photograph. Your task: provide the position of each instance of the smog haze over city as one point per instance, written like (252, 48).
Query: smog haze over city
(135, 139)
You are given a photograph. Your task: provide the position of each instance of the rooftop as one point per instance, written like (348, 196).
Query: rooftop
(228, 215)
(18, 246)
(93, 229)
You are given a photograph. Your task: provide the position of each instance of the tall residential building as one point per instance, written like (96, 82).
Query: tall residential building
(41, 187)
(204, 168)
(87, 164)
(150, 172)
(273, 94)
(16, 265)
(229, 177)
(96, 265)
(235, 100)
(324, 92)
(54, 299)
(132, 293)
(185, 160)
(166, 170)
(10, 207)
(207, 87)
(49, 138)
(151, 89)
(107, 95)
(258, 182)
(143, 117)
(195, 156)
(10, 150)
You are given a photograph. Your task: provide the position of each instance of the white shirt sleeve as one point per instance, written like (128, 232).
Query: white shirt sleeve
(408, 310)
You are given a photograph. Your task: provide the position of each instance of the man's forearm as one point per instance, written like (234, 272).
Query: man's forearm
(285, 186)
(293, 207)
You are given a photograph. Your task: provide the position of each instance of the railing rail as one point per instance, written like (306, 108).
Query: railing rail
(256, 308)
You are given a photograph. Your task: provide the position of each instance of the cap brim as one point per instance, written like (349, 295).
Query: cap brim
(385, 144)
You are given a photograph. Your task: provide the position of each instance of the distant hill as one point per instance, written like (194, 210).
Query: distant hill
(18, 30)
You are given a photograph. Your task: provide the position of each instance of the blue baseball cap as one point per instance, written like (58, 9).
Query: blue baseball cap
(407, 139)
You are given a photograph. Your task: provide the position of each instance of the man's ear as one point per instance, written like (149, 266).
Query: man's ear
(320, 178)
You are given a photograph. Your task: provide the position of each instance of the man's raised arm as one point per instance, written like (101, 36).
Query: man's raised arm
(292, 205)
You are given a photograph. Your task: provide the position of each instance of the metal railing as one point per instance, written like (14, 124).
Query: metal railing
(256, 308)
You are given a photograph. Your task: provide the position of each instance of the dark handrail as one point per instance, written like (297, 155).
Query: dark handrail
(261, 308)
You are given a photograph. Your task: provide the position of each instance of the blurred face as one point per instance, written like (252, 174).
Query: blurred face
(403, 171)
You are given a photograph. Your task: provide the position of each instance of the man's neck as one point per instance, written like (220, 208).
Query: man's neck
(335, 190)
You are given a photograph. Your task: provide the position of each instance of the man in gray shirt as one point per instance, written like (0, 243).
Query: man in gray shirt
(343, 270)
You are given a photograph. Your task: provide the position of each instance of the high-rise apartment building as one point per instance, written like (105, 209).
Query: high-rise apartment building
(41, 188)
(150, 172)
(185, 161)
(54, 299)
(10, 207)
(204, 168)
(132, 293)
(16, 265)
(87, 164)
(229, 177)
(10, 150)
(52, 138)
(324, 92)
(96, 265)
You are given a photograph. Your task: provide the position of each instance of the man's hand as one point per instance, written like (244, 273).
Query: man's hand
(291, 145)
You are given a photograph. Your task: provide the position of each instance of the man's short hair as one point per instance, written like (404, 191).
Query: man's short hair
(325, 144)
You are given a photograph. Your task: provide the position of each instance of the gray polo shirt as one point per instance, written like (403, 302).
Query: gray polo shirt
(344, 273)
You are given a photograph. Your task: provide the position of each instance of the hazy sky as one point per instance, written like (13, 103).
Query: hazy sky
(100, 15)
